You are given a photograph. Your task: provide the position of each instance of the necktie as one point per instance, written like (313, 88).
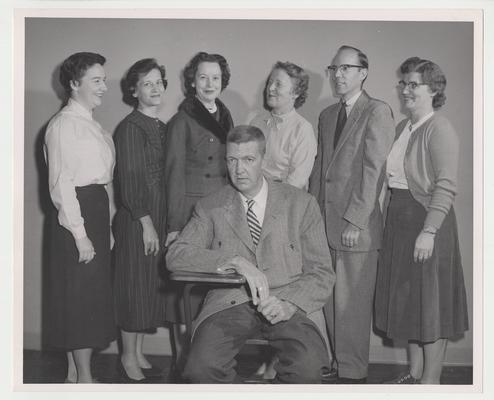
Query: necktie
(340, 123)
(254, 225)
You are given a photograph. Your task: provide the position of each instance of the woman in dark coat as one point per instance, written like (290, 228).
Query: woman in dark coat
(195, 151)
(420, 292)
(80, 157)
(140, 220)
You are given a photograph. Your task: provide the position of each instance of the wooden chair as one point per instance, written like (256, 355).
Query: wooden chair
(195, 279)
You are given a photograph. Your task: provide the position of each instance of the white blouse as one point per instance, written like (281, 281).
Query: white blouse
(78, 153)
(291, 147)
(395, 170)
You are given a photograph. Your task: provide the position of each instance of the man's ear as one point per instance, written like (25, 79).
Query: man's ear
(363, 73)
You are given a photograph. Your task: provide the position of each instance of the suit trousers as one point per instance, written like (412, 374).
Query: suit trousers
(218, 339)
(349, 311)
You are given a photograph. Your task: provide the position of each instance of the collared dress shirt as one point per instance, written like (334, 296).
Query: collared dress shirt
(351, 102)
(260, 200)
(78, 153)
(291, 147)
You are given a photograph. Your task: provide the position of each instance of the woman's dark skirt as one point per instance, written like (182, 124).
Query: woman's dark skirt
(80, 301)
(419, 301)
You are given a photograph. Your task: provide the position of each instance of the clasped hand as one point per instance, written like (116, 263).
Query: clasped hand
(276, 310)
(272, 308)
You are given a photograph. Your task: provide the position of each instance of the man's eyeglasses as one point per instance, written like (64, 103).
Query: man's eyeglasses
(410, 85)
(343, 68)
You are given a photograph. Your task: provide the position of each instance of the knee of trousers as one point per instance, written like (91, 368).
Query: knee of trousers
(202, 368)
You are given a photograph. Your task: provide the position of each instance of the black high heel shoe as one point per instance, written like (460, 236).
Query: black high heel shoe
(124, 378)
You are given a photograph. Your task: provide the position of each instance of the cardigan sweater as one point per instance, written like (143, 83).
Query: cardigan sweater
(431, 166)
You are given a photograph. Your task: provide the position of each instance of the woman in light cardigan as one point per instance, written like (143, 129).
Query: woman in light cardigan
(420, 292)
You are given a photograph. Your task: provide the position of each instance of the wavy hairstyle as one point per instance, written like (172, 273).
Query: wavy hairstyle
(432, 76)
(137, 71)
(190, 70)
(300, 80)
(75, 66)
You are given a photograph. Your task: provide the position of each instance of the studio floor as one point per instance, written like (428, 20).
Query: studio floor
(50, 367)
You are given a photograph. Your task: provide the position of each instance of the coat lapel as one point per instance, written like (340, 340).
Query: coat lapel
(198, 112)
(350, 125)
(235, 216)
(273, 207)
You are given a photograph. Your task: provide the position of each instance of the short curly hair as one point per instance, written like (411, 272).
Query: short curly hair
(135, 72)
(299, 77)
(75, 66)
(432, 76)
(190, 70)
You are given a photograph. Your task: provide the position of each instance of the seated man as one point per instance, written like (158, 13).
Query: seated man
(273, 234)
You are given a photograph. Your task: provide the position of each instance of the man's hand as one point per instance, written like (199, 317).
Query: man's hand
(350, 235)
(276, 310)
(257, 281)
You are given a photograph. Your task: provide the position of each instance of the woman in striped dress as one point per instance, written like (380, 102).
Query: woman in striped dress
(139, 224)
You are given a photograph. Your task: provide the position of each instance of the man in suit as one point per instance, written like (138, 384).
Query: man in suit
(355, 137)
(273, 234)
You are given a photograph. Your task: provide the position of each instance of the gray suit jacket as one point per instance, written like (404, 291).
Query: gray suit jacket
(292, 251)
(347, 181)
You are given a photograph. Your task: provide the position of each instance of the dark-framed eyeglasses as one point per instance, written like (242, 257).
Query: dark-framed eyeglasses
(410, 85)
(343, 68)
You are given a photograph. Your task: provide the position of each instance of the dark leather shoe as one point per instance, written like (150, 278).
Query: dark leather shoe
(351, 381)
(152, 372)
(329, 375)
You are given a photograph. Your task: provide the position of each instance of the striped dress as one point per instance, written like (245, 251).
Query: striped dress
(138, 288)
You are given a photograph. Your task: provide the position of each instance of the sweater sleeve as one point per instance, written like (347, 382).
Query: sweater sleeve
(443, 148)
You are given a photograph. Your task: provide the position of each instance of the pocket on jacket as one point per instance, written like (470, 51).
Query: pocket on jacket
(293, 260)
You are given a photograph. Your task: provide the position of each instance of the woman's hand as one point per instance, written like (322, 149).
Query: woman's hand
(170, 238)
(149, 236)
(86, 249)
(423, 246)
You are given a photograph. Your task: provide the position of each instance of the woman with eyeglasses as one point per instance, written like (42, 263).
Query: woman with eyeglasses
(420, 292)
(195, 162)
(140, 221)
(80, 156)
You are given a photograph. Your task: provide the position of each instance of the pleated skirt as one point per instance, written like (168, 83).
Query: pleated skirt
(419, 301)
(139, 279)
(79, 295)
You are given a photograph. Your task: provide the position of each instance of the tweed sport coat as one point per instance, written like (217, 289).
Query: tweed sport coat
(292, 251)
(347, 180)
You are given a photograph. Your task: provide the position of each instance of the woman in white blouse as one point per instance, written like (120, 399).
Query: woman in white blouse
(80, 157)
(291, 144)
